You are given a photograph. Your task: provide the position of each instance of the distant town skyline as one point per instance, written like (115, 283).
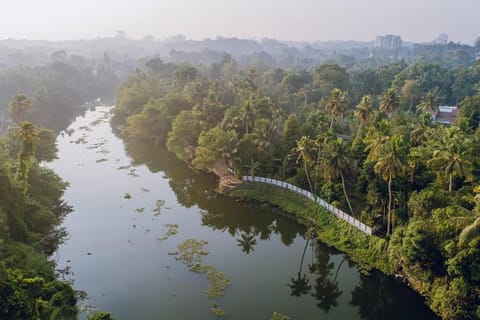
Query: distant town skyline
(301, 20)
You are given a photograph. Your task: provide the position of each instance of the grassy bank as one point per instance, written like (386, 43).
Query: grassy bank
(367, 251)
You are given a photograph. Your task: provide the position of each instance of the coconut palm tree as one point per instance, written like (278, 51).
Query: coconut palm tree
(229, 148)
(27, 134)
(390, 102)
(304, 150)
(389, 164)
(364, 109)
(247, 116)
(452, 155)
(376, 137)
(304, 93)
(420, 132)
(338, 161)
(254, 165)
(337, 103)
(429, 104)
(18, 107)
(265, 133)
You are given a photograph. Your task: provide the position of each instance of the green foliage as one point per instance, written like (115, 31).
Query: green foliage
(27, 295)
(279, 316)
(422, 203)
(394, 163)
(470, 110)
(46, 146)
(97, 315)
(182, 139)
(213, 145)
(28, 286)
(466, 263)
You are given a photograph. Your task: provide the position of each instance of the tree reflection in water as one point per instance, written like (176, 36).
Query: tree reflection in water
(247, 242)
(377, 297)
(326, 289)
(300, 285)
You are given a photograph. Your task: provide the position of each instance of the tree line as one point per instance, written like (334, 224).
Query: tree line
(31, 211)
(366, 142)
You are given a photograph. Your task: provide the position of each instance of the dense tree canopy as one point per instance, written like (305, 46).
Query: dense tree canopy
(365, 141)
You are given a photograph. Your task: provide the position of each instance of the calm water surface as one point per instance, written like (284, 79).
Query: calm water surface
(117, 253)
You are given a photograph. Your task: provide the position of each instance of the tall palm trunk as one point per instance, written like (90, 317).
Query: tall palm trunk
(450, 182)
(346, 196)
(307, 175)
(389, 218)
(331, 122)
(360, 127)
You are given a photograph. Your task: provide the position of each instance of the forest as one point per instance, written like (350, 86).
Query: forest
(34, 100)
(58, 88)
(365, 140)
(31, 211)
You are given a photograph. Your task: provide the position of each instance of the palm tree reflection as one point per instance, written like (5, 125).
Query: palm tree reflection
(247, 241)
(326, 288)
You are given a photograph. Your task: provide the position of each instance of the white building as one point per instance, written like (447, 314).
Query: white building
(388, 41)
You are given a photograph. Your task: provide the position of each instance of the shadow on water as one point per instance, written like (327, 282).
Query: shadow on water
(193, 188)
(375, 296)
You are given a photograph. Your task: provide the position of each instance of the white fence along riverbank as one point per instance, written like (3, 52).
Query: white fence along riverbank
(335, 211)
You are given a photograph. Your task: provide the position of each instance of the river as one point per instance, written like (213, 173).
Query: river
(133, 205)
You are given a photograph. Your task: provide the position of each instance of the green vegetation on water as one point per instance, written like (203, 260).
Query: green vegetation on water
(365, 141)
(190, 252)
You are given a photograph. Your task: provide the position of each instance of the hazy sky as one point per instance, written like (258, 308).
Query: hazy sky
(415, 20)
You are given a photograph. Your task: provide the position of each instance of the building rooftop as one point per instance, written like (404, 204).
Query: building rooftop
(447, 114)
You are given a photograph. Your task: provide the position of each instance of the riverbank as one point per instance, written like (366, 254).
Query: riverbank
(369, 252)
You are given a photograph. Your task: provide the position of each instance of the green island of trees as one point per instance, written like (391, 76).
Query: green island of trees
(364, 140)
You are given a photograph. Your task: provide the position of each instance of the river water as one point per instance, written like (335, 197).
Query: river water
(125, 199)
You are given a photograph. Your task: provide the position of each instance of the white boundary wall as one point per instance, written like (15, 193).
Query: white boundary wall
(335, 211)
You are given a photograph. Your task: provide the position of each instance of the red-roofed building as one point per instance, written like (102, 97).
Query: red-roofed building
(446, 115)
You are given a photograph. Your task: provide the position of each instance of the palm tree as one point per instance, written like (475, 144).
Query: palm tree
(229, 149)
(304, 149)
(18, 107)
(27, 134)
(389, 164)
(337, 161)
(254, 165)
(429, 104)
(337, 104)
(304, 93)
(420, 132)
(452, 155)
(363, 111)
(265, 133)
(390, 102)
(376, 137)
(247, 116)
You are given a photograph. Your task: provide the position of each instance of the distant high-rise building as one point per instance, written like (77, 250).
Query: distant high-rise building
(388, 41)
